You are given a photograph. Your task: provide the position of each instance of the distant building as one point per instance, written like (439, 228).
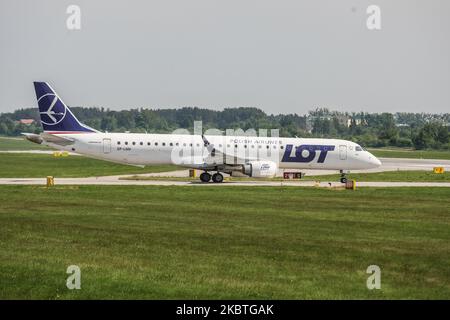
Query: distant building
(358, 121)
(26, 121)
(342, 119)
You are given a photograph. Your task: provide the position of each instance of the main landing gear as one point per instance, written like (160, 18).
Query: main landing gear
(205, 177)
(216, 177)
(343, 178)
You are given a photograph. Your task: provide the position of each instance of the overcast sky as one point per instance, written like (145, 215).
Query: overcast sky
(282, 56)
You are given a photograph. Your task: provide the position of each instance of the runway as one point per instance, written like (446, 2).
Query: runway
(388, 164)
(115, 180)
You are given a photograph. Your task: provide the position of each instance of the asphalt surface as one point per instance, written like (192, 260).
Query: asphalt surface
(389, 164)
(117, 181)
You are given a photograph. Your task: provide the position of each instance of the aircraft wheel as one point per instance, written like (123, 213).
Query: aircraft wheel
(217, 177)
(205, 177)
(343, 180)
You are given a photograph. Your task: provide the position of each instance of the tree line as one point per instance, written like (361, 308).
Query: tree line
(416, 130)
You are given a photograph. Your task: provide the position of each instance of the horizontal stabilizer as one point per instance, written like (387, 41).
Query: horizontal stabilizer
(56, 140)
(33, 137)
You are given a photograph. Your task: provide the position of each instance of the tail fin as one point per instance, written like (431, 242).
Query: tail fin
(56, 117)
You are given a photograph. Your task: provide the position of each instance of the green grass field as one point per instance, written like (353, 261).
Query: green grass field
(412, 154)
(239, 242)
(41, 165)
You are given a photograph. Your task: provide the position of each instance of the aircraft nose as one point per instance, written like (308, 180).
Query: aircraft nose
(374, 161)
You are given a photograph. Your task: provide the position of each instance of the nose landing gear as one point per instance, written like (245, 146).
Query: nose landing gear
(343, 177)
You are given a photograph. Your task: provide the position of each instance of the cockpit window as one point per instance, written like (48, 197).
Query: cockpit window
(358, 148)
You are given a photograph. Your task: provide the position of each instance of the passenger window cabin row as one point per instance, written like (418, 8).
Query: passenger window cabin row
(171, 144)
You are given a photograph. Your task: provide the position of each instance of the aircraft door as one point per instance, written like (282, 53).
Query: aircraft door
(106, 145)
(343, 152)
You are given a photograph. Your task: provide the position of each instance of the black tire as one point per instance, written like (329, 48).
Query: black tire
(205, 177)
(343, 180)
(217, 178)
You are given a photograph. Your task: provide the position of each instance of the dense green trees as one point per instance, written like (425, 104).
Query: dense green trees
(416, 130)
(431, 135)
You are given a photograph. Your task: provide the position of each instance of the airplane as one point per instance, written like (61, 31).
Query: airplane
(257, 157)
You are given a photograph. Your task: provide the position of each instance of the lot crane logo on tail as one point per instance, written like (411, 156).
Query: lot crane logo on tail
(55, 111)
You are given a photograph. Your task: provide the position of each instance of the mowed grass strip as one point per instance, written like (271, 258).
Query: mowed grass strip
(229, 243)
(19, 143)
(27, 165)
(412, 154)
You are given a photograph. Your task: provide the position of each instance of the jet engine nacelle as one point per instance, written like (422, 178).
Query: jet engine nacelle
(260, 169)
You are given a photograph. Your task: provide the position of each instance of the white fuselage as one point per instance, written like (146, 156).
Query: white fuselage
(190, 150)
